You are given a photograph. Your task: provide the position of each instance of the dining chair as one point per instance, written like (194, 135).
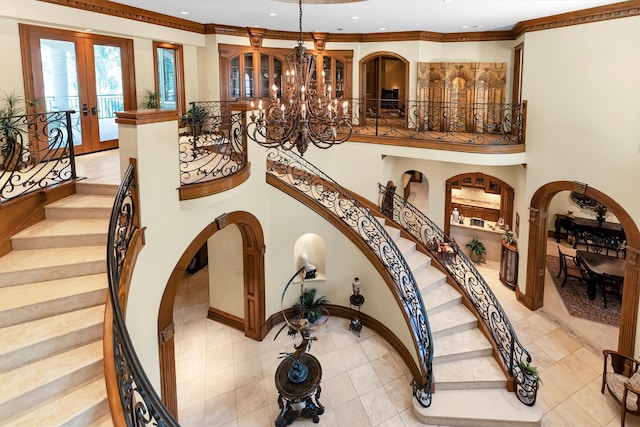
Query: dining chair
(621, 378)
(610, 284)
(570, 266)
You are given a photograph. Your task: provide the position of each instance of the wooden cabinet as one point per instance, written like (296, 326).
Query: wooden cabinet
(509, 265)
(492, 215)
(477, 212)
(492, 187)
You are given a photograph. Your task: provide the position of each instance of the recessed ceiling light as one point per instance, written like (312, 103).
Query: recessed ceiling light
(339, 29)
(383, 29)
(465, 26)
(477, 26)
(272, 14)
(354, 17)
(88, 30)
(448, 1)
(184, 13)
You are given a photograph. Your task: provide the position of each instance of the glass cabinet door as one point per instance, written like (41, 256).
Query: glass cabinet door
(248, 76)
(234, 80)
(328, 74)
(265, 87)
(277, 76)
(339, 79)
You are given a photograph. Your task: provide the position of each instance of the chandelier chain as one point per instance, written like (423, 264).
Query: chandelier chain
(300, 41)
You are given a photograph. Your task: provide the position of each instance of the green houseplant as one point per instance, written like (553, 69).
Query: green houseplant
(12, 106)
(312, 306)
(476, 250)
(195, 118)
(150, 100)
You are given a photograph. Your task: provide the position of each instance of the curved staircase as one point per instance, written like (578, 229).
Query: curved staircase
(470, 387)
(53, 288)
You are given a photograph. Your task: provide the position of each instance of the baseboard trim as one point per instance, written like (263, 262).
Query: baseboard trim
(226, 319)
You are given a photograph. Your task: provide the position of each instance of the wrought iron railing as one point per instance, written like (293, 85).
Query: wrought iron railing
(452, 122)
(315, 184)
(106, 108)
(215, 146)
(513, 354)
(140, 403)
(36, 152)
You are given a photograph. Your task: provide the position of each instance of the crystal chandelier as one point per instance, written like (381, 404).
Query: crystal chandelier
(303, 114)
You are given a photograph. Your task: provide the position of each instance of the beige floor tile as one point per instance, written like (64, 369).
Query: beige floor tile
(378, 406)
(574, 415)
(364, 379)
(339, 390)
(352, 414)
(251, 397)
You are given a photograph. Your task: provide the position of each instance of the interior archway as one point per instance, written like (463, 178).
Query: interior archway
(384, 76)
(537, 250)
(254, 294)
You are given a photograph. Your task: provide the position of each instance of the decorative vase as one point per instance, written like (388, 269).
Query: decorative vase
(356, 286)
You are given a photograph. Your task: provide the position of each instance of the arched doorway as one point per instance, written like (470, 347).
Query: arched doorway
(534, 293)
(416, 189)
(384, 81)
(254, 294)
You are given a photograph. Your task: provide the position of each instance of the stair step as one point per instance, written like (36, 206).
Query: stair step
(58, 233)
(476, 373)
(393, 232)
(470, 408)
(406, 246)
(24, 303)
(429, 279)
(83, 406)
(105, 421)
(441, 298)
(452, 320)
(83, 187)
(28, 386)
(460, 346)
(81, 206)
(38, 265)
(417, 261)
(28, 342)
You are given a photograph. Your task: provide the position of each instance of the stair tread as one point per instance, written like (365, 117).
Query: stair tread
(441, 295)
(80, 200)
(20, 381)
(491, 408)
(406, 246)
(13, 297)
(451, 318)
(417, 261)
(24, 335)
(461, 342)
(30, 259)
(429, 278)
(69, 407)
(470, 370)
(63, 227)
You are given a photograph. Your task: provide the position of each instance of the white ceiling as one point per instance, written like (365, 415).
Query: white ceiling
(440, 16)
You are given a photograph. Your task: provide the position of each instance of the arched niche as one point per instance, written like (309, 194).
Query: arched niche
(313, 245)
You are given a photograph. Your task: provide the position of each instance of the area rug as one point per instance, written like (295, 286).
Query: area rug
(575, 298)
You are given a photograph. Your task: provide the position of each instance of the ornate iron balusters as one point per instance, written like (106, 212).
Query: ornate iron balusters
(140, 403)
(313, 183)
(453, 122)
(36, 152)
(472, 283)
(216, 146)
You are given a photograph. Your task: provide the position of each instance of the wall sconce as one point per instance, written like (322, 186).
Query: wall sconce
(356, 300)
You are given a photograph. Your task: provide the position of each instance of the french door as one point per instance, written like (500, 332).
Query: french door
(90, 74)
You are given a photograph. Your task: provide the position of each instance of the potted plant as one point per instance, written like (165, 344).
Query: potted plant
(150, 100)
(11, 108)
(508, 236)
(476, 250)
(312, 306)
(531, 370)
(195, 118)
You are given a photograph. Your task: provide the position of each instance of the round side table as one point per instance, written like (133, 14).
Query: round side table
(356, 323)
(306, 392)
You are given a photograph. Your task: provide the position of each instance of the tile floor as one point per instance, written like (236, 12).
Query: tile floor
(225, 379)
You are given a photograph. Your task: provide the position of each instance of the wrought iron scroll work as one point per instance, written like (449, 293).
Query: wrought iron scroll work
(316, 185)
(216, 147)
(474, 286)
(452, 122)
(36, 152)
(140, 403)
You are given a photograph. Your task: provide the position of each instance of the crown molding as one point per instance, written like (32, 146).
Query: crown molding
(128, 12)
(602, 13)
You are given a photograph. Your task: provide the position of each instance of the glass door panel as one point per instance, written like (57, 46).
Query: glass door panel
(248, 75)
(60, 81)
(265, 87)
(167, 78)
(234, 81)
(339, 79)
(109, 89)
(277, 76)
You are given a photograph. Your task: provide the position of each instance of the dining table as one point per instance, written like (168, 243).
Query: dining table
(597, 265)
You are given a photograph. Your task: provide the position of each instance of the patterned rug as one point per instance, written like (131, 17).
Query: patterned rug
(574, 295)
